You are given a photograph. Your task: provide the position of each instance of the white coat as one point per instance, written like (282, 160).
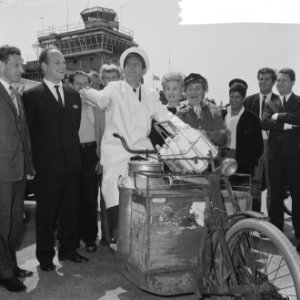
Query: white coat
(129, 118)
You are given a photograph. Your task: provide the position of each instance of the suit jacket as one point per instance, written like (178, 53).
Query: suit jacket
(53, 130)
(252, 102)
(15, 149)
(286, 142)
(249, 142)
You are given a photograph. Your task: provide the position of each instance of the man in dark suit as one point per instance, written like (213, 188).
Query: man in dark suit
(256, 103)
(15, 164)
(53, 113)
(282, 117)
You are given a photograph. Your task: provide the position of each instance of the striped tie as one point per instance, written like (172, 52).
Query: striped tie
(13, 98)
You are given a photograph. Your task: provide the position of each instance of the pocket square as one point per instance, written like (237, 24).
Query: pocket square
(75, 106)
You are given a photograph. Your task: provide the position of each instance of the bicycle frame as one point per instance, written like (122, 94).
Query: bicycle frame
(217, 223)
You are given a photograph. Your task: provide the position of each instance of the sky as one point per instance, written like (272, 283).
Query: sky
(219, 39)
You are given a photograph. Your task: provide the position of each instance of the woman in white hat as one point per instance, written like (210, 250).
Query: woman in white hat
(130, 108)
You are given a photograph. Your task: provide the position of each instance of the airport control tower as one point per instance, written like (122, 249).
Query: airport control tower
(100, 40)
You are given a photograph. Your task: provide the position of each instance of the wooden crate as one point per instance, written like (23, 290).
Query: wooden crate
(165, 240)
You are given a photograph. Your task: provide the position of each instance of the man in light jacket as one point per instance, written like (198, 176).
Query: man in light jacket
(130, 108)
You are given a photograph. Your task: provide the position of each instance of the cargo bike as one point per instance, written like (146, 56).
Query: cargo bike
(191, 232)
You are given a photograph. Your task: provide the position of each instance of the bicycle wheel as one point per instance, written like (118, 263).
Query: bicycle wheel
(288, 205)
(265, 259)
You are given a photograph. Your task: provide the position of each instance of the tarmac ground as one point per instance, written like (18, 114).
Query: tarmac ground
(95, 280)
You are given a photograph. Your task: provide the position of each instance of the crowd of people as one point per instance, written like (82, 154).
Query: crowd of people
(61, 134)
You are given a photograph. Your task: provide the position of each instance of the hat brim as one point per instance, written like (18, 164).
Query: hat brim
(138, 51)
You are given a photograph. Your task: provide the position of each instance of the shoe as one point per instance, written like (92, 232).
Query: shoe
(113, 246)
(13, 284)
(48, 267)
(90, 248)
(74, 257)
(20, 273)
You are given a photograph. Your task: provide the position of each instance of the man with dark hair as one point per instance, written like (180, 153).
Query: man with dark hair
(282, 118)
(15, 166)
(53, 112)
(88, 175)
(256, 103)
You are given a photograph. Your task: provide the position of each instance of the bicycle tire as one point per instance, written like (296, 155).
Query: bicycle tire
(251, 241)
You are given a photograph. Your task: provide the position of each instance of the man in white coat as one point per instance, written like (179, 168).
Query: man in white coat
(130, 108)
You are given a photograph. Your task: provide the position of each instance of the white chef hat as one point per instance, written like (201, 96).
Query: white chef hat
(135, 50)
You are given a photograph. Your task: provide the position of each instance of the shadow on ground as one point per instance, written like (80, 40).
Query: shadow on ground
(97, 279)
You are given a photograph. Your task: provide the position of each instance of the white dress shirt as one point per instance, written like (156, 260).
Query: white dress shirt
(231, 124)
(87, 124)
(51, 87)
(261, 98)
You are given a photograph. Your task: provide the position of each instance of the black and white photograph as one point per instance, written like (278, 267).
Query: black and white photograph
(149, 149)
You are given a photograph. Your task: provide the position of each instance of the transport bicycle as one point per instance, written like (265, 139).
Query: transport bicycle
(240, 254)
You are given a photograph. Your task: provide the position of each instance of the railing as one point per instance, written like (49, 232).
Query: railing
(89, 47)
(53, 30)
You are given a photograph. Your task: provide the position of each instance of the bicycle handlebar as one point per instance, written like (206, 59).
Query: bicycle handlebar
(138, 151)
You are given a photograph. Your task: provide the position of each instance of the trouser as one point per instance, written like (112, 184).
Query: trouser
(255, 190)
(113, 213)
(104, 217)
(11, 218)
(284, 171)
(89, 194)
(58, 198)
(110, 192)
(111, 175)
(263, 164)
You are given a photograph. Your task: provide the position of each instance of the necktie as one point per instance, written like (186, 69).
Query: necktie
(60, 102)
(263, 105)
(140, 96)
(284, 102)
(13, 98)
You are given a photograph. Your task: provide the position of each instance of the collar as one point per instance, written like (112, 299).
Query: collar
(50, 84)
(287, 97)
(268, 96)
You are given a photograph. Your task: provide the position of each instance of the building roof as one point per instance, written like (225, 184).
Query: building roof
(98, 9)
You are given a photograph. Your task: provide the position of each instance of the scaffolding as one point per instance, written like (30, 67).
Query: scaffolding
(101, 33)
(88, 46)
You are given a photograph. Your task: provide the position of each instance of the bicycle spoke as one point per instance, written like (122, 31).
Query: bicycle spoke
(258, 262)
